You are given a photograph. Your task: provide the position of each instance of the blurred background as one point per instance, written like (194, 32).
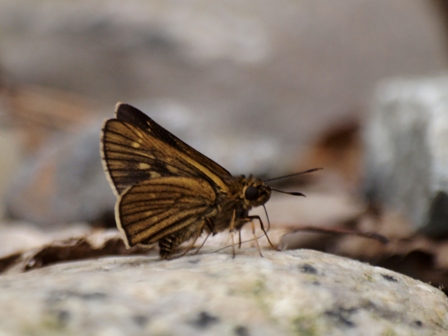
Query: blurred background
(262, 87)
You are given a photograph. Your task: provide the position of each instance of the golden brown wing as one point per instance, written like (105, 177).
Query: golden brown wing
(135, 148)
(155, 208)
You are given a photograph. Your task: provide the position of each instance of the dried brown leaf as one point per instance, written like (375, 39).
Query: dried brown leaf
(98, 244)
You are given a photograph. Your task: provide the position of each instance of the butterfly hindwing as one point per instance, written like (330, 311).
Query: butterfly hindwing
(156, 208)
(135, 148)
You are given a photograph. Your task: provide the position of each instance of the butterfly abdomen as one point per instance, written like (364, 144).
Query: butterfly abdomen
(169, 244)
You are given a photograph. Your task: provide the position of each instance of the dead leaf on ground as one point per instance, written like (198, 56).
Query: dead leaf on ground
(95, 245)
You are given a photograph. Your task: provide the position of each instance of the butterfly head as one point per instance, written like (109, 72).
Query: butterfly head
(256, 192)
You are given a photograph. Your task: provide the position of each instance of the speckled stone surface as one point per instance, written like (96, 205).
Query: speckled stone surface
(298, 292)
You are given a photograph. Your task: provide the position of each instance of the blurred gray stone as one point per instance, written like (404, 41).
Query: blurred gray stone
(63, 183)
(10, 153)
(285, 293)
(407, 150)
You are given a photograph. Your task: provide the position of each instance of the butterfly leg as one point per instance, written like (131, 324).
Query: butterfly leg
(239, 238)
(232, 232)
(210, 227)
(205, 222)
(251, 218)
(256, 238)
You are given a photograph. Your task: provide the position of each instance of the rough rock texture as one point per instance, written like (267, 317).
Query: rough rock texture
(285, 293)
(407, 156)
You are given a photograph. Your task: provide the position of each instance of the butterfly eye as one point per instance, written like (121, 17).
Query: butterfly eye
(251, 193)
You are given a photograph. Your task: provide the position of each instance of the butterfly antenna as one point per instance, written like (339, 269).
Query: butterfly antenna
(293, 193)
(291, 175)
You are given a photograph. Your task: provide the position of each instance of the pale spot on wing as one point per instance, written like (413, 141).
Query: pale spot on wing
(172, 169)
(135, 145)
(154, 174)
(143, 165)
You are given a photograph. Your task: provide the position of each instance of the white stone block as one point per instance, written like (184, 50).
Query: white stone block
(407, 150)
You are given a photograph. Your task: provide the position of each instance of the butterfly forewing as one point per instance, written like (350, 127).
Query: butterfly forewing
(132, 156)
(156, 208)
(135, 149)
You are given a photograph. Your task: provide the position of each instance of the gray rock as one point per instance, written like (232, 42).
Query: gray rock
(286, 293)
(407, 156)
(63, 183)
(9, 161)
